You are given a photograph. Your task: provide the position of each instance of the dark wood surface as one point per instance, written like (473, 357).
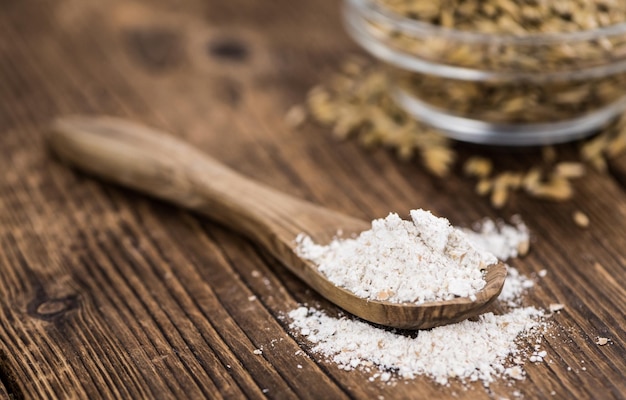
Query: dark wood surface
(107, 293)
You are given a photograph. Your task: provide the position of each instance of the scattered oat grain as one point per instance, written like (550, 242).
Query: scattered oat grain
(357, 103)
(557, 189)
(479, 167)
(581, 219)
(569, 169)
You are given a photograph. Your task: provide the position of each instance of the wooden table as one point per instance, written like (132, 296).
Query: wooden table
(107, 293)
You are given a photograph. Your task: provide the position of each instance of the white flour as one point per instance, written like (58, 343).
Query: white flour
(502, 240)
(467, 350)
(514, 285)
(425, 259)
(483, 350)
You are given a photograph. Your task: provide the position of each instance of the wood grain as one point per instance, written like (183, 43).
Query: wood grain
(105, 293)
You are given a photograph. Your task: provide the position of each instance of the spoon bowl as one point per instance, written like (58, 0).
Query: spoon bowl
(155, 163)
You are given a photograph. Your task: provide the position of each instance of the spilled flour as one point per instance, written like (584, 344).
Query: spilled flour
(483, 349)
(500, 239)
(468, 350)
(439, 259)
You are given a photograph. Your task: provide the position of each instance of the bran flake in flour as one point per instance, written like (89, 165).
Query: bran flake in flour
(484, 349)
(421, 260)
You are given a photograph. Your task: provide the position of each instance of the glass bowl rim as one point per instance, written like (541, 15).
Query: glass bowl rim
(416, 27)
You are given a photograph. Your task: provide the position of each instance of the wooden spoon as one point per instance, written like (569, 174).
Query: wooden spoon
(160, 165)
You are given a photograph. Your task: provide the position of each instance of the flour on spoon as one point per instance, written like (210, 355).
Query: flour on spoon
(422, 260)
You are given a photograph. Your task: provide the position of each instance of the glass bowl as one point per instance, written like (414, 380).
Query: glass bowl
(499, 89)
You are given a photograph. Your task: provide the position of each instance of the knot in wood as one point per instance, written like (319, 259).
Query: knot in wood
(229, 49)
(51, 309)
(157, 49)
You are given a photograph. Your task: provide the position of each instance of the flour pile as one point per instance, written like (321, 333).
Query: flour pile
(468, 350)
(425, 259)
(484, 349)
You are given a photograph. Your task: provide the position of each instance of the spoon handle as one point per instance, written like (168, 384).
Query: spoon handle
(160, 165)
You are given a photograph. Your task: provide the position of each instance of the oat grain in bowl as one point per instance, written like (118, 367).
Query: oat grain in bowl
(500, 71)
